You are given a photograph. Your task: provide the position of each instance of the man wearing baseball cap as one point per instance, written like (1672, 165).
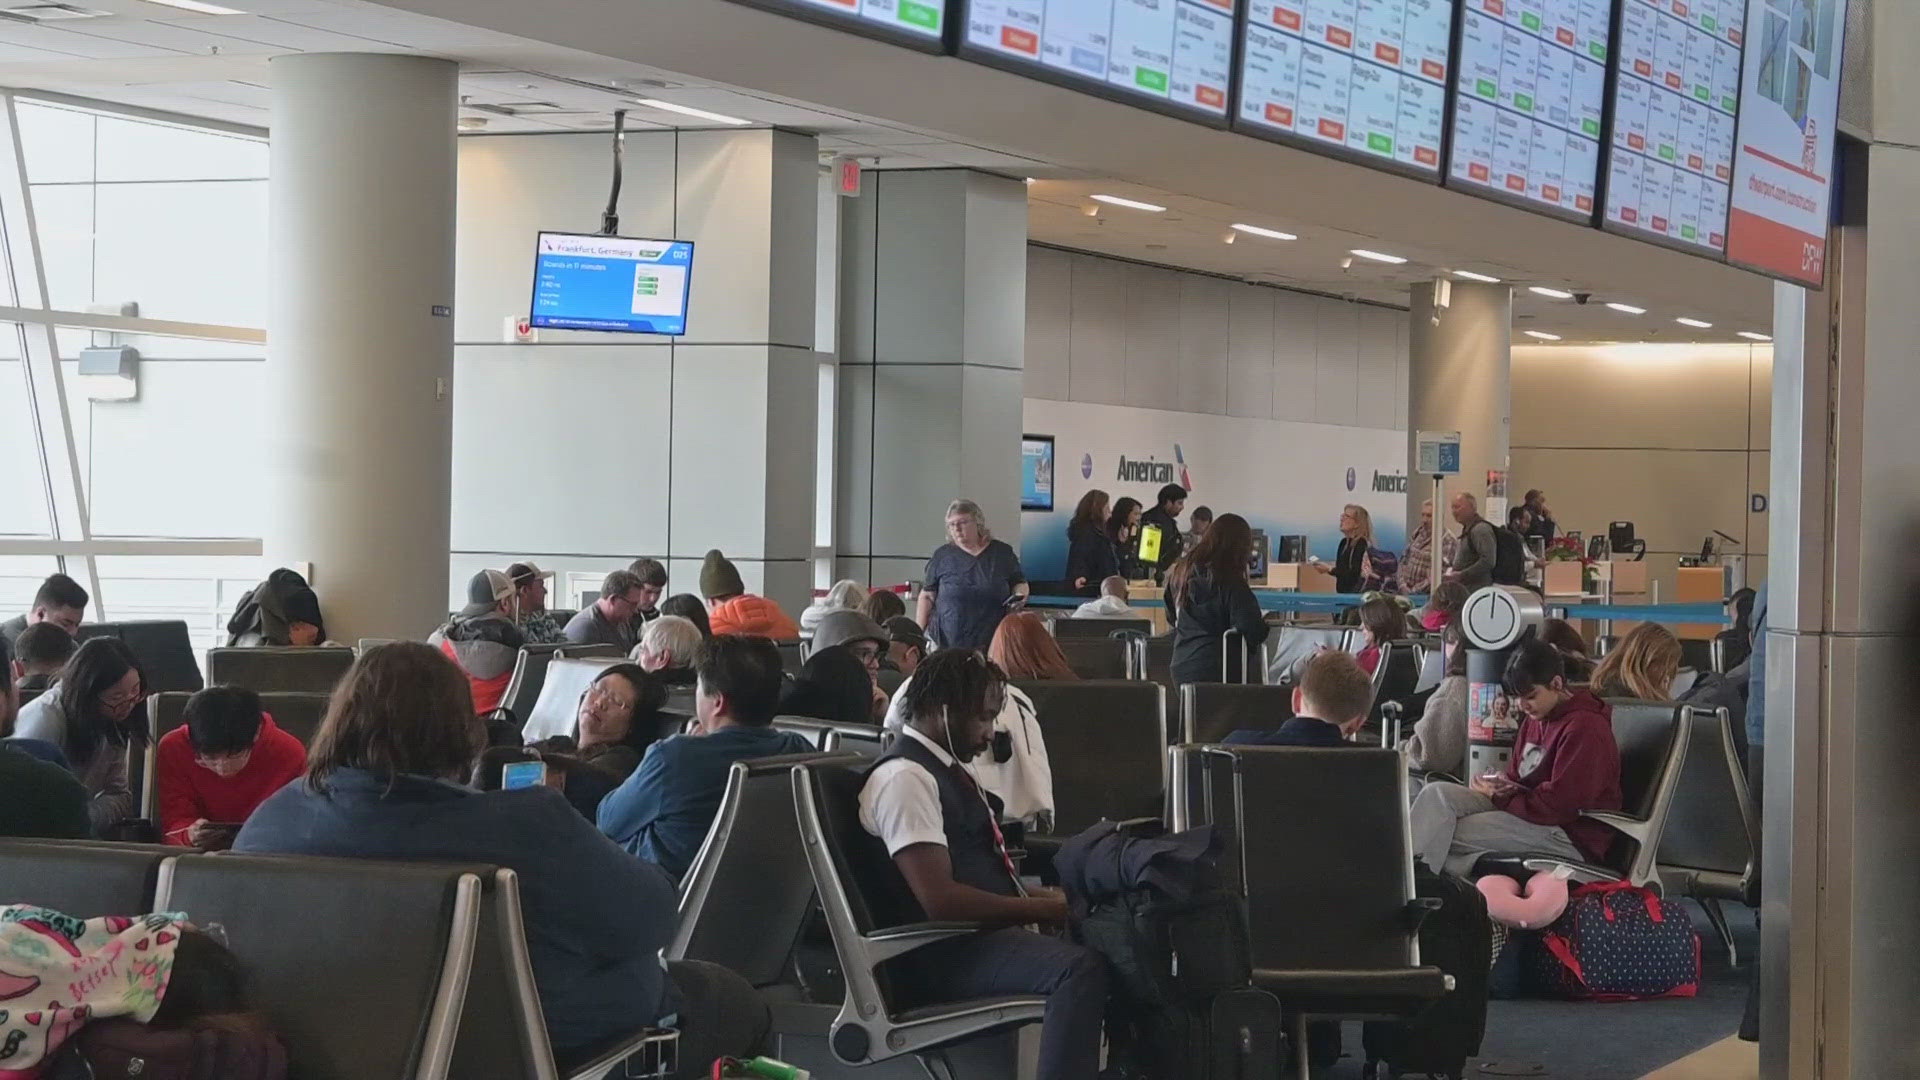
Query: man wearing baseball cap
(536, 623)
(482, 640)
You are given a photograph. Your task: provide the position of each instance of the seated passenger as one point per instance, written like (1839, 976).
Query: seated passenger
(940, 828)
(386, 779)
(39, 653)
(482, 639)
(537, 624)
(1439, 739)
(280, 612)
(883, 604)
(39, 799)
(669, 650)
(731, 609)
(92, 714)
(1646, 666)
(618, 720)
(691, 608)
(610, 619)
(663, 811)
(1381, 621)
(1330, 703)
(1564, 762)
(1018, 771)
(1443, 607)
(853, 631)
(906, 651)
(833, 685)
(60, 600)
(845, 595)
(653, 583)
(1111, 604)
(215, 769)
(1560, 634)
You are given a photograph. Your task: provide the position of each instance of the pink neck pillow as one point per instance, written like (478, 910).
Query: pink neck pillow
(1542, 902)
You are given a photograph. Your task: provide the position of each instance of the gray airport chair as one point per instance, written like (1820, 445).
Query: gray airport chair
(1707, 851)
(311, 671)
(163, 647)
(1209, 712)
(84, 878)
(1107, 742)
(1065, 627)
(558, 706)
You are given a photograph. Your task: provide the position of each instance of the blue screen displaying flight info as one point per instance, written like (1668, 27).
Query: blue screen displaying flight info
(613, 283)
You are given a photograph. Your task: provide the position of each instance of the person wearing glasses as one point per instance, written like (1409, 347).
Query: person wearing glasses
(93, 714)
(213, 771)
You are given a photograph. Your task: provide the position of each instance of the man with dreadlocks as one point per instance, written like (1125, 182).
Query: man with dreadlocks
(942, 830)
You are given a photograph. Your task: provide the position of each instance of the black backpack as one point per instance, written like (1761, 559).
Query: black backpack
(1510, 558)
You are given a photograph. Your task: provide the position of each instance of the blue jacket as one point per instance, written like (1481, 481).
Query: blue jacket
(596, 917)
(663, 811)
(1297, 731)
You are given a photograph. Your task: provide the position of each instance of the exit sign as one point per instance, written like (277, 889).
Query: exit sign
(846, 173)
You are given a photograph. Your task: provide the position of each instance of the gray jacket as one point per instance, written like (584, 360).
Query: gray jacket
(1479, 549)
(104, 775)
(1439, 740)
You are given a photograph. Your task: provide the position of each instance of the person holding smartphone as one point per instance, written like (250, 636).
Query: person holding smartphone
(215, 769)
(1564, 763)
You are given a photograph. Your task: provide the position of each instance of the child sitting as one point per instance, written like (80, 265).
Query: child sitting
(1329, 704)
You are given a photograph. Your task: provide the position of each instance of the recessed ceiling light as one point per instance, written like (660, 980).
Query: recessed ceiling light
(1695, 323)
(197, 7)
(1131, 204)
(1471, 276)
(1378, 256)
(1751, 336)
(1627, 309)
(1542, 290)
(688, 110)
(1542, 335)
(472, 123)
(1271, 234)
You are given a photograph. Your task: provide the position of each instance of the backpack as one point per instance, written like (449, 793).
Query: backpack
(1618, 942)
(1510, 558)
(121, 1049)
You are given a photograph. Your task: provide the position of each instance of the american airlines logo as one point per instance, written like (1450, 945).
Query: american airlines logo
(1389, 481)
(1154, 471)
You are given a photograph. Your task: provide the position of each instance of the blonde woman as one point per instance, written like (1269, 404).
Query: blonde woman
(1643, 666)
(1356, 540)
(970, 582)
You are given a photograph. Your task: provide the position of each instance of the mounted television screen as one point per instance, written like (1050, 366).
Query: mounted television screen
(1036, 472)
(1172, 55)
(612, 283)
(917, 24)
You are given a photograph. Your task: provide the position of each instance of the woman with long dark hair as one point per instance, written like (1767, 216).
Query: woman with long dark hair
(1090, 558)
(93, 714)
(1207, 594)
(1123, 532)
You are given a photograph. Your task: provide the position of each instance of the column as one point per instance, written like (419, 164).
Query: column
(360, 357)
(1459, 372)
(1841, 811)
(932, 358)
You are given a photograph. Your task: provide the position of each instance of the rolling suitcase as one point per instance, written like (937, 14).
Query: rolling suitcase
(1232, 1035)
(1457, 939)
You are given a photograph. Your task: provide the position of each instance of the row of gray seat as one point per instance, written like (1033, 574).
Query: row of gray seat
(454, 996)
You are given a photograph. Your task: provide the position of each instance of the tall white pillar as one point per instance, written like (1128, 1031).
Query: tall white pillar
(932, 364)
(360, 335)
(1460, 375)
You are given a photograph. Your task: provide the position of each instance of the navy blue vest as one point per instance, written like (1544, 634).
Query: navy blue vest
(968, 814)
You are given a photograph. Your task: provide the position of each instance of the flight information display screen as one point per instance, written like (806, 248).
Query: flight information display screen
(919, 24)
(1172, 53)
(1670, 165)
(1366, 78)
(1530, 97)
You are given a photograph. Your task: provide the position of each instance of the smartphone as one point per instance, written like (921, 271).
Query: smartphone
(515, 775)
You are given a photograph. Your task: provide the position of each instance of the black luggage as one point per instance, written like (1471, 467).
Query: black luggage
(1457, 939)
(1232, 1035)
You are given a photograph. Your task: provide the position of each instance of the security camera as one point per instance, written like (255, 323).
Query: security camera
(1582, 297)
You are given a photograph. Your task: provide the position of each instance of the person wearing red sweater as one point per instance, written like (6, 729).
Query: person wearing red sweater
(1564, 762)
(223, 762)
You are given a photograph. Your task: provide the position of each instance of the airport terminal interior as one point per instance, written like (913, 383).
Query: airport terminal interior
(967, 539)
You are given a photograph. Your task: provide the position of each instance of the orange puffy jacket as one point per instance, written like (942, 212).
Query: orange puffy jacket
(753, 615)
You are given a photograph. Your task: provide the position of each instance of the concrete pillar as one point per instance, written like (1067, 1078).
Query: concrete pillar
(932, 359)
(360, 333)
(1841, 811)
(1459, 375)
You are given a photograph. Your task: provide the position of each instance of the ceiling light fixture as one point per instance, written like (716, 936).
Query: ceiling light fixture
(1131, 204)
(197, 7)
(1471, 276)
(1626, 309)
(1697, 324)
(1751, 336)
(1542, 335)
(688, 110)
(1271, 234)
(472, 123)
(1378, 256)
(1557, 294)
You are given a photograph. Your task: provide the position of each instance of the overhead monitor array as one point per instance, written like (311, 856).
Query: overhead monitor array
(1366, 80)
(1617, 113)
(1173, 54)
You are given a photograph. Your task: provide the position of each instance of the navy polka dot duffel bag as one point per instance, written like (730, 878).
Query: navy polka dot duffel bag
(1618, 942)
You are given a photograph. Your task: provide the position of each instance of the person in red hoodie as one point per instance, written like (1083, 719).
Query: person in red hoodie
(221, 764)
(1564, 762)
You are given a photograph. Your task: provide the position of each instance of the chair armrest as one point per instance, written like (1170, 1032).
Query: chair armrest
(1432, 775)
(658, 1051)
(1625, 824)
(897, 941)
(1415, 914)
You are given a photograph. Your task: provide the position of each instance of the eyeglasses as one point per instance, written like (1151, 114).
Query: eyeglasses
(602, 694)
